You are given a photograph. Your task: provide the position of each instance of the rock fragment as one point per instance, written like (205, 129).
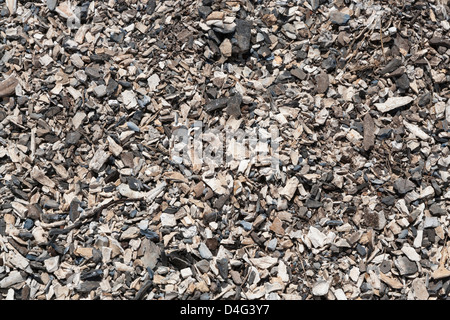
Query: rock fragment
(393, 103)
(8, 86)
(369, 132)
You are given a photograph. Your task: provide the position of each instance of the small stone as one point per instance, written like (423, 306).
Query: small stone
(424, 99)
(405, 266)
(186, 273)
(222, 265)
(130, 233)
(403, 82)
(264, 262)
(100, 91)
(204, 251)
(314, 4)
(34, 211)
(132, 126)
(272, 244)
(340, 295)
(111, 87)
(73, 137)
(204, 11)
(403, 186)
(52, 264)
(393, 103)
(243, 35)
(236, 277)
(203, 266)
(11, 279)
(93, 72)
(376, 220)
(420, 289)
(391, 66)
(215, 15)
(234, 106)
(76, 60)
(289, 190)
(321, 288)
(168, 220)
(8, 86)
(431, 222)
(338, 17)
(87, 286)
(28, 224)
(313, 204)
(117, 37)
(322, 82)
(388, 200)
(385, 266)
(39, 175)
(246, 225)
(411, 253)
(99, 159)
(318, 239)
(216, 104)
(153, 82)
(369, 132)
(51, 204)
(84, 252)
(135, 184)
(322, 116)
(329, 64)
(277, 226)
(39, 235)
(298, 73)
(439, 42)
(390, 281)
(415, 130)
(361, 250)
(212, 244)
(226, 48)
(436, 210)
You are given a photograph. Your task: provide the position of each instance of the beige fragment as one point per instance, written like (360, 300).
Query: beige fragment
(392, 282)
(39, 175)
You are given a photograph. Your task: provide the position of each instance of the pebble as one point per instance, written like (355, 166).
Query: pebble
(369, 132)
(204, 251)
(405, 266)
(391, 66)
(322, 82)
(243, 35)
(431, 222)
(320, 288)
(73, 137)
(403, 186)
(420, 289)
(132, 126)
(318, 239)
(339, 18)
(393, 103)
(410, 253)
(403, 82)
(130, 233)
(264, 262)
(52, 264)
(153, 82)
(168, 220)
(226, 48)
(13, 278)
(100, 91)
(437, 210)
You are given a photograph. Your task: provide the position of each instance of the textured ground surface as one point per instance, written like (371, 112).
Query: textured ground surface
(224, 149)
